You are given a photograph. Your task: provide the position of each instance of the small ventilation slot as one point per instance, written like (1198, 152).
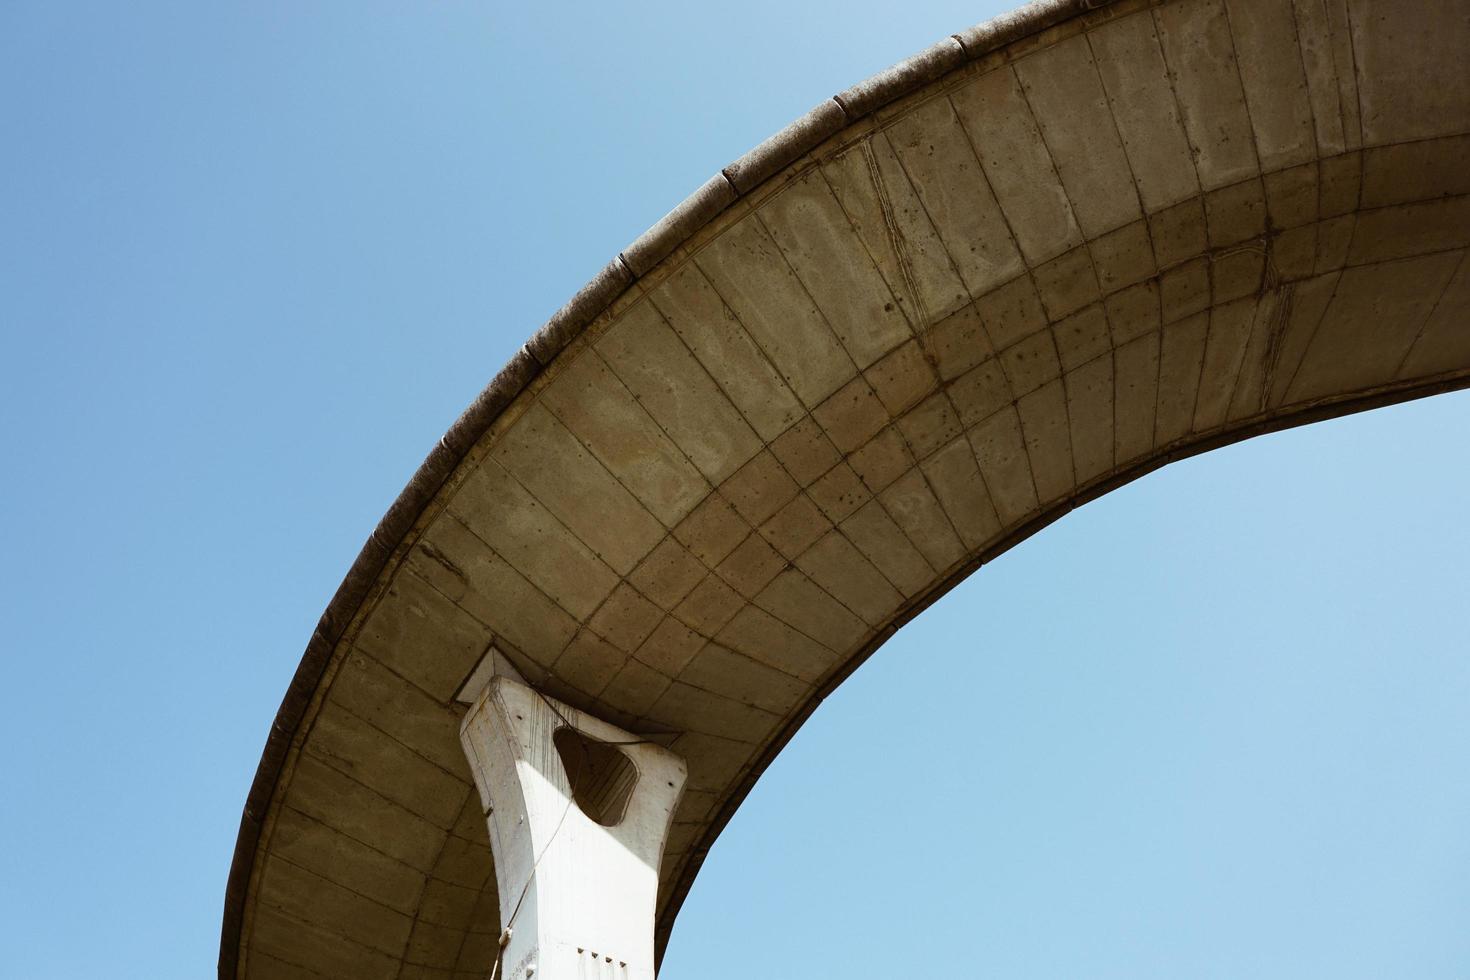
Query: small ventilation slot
(602, 778)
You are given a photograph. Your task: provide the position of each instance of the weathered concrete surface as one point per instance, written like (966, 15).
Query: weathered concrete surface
(1053, 253)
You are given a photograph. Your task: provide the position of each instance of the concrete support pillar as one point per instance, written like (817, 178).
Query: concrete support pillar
(578, 811)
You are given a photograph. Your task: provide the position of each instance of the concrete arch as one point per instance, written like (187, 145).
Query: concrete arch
(1037, 261)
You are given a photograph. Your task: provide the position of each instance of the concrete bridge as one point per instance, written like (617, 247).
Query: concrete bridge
(1039, 260)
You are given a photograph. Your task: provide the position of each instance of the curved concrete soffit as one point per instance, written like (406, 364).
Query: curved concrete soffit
(751, 176)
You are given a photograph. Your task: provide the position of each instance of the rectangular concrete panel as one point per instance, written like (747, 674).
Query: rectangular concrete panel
(763, 637)
(320, 950)
(505, 515)
(1131, 65)
(936, 154)
(668, 574)
(1249, 397)
(1048, 438)
(961, 341)
(955, 477)
(754, 279)
(402, 711)
(453, 906)
(1199, 52)
(673, 642)
(710, 606)
(712, 331)
(1123, 257)
(1133, 312)
(793, 528)
(1344, 58)
(608, 418)
(903, 379)
(882, 460)
(636, 687)
(1444, 342)
(1066, 93)
(626, 619)
(1082, 337)
(1135, 397)
(549, 461)
(930, 425)
(1181, 358)
(1236, 213)
(809, 226)
(678, 393)
(877, 536)
(686, 708)
(312, 845)
(1000, 451)
(1412, 76)
(421, 636)
(386, 766)
(1371, 323)
(879, 200)
(1178, 232)
(1421, 171)
(460, 565)
(1090, 416)
(917, 511)
(716, 668)
(839, 492)
(1410, 229)
(852, 416)
(1315, 44)
(347, 806)
(805, 451)
(751, 566)
(714, 763)
(981, 392)
(1309, 302)
(1291, 196)
(845, 573)
(311, 898)
(1015, 159)
(1031, 363)
(1271, 70)
(1067, 283)
(798, 602)
(1230, 331)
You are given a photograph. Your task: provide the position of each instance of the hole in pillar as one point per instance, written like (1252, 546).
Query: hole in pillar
(601, 777)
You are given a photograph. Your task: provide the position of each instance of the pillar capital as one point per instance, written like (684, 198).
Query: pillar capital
(578, 812)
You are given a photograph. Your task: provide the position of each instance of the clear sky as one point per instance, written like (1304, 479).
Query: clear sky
(256, 257)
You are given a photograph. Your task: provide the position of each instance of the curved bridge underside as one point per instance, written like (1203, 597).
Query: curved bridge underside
(1037, 261)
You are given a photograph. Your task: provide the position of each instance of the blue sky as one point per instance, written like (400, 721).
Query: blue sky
(255, 258)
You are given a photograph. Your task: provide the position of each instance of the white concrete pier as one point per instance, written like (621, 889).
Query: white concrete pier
(578, 812)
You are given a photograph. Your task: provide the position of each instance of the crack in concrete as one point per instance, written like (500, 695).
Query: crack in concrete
(895, 238)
